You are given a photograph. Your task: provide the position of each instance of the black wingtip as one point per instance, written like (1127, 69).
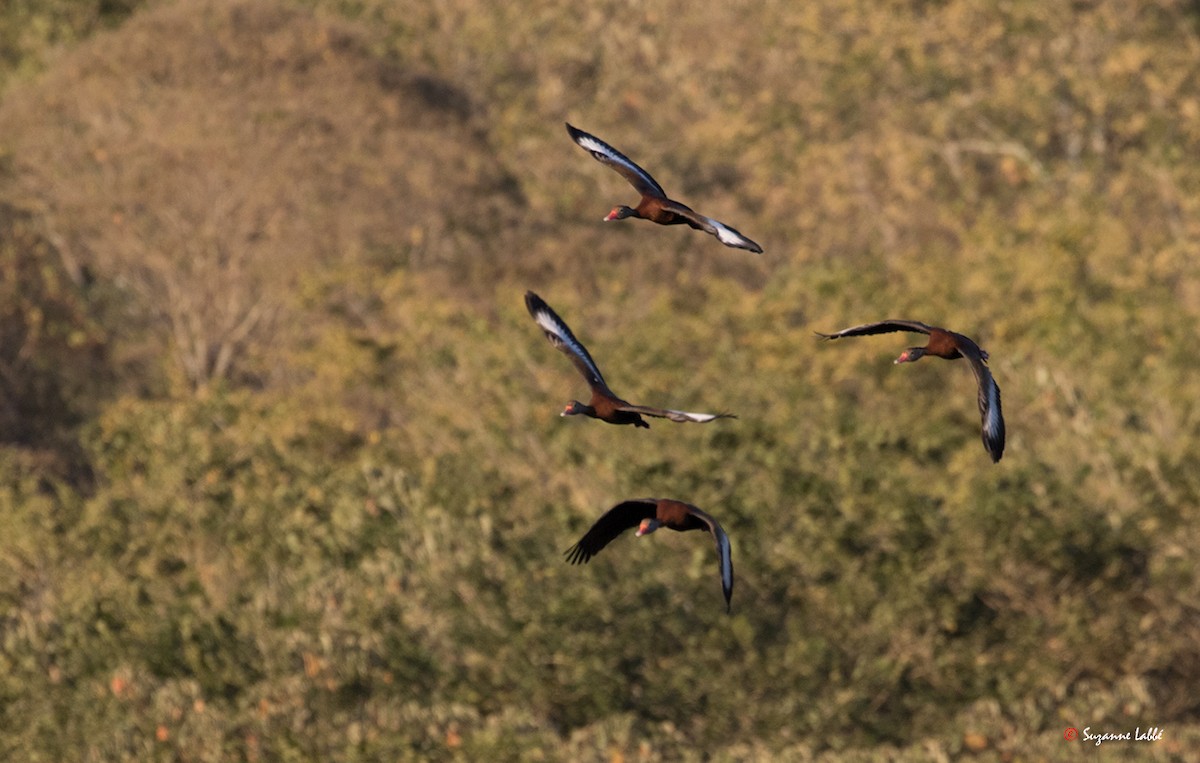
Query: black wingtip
(576, 555)
(994, 449)
(534, 303)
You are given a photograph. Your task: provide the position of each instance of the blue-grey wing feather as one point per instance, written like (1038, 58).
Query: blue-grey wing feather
(606, 154)
(559, 334)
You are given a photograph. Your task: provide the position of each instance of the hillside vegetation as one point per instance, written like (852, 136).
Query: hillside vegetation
(282, 474)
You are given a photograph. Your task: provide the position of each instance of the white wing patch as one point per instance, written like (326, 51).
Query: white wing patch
(606, 153)
(726, 235)
(561, 337)
(597, 146)
(729, 237)
(677, 416)
(547, 322)
(699, 418)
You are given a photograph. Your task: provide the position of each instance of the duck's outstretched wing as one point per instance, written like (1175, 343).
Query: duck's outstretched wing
(882, 327)
(607, 155)
(673, 415)
(559, 334)
(612, 523)
(989, 396)
(725, 234)
(724, 556)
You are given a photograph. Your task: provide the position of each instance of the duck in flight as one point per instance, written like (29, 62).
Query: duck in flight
(949, 345)
(604, 405)
(647, 515)
(655, 206)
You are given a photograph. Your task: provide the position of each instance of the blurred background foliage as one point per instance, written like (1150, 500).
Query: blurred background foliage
(281, 473)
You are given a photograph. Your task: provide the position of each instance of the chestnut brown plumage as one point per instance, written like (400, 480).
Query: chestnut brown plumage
(649, 514)
(604, 405)
(654, 205)
(950, 346)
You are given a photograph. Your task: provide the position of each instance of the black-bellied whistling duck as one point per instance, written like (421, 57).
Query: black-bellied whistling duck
(604, 405)
(655, 206)
(949, 345)
(649, 514)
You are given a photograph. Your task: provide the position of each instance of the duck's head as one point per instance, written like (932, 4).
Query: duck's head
(911, 355)
(648, 526)
(576, 408)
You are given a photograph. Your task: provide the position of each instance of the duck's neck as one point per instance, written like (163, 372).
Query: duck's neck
(576, 408)
(621, 212)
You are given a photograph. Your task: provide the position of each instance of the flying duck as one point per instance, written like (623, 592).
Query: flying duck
(604, 405)
(655, 206)
(949, 345)
(649, 514)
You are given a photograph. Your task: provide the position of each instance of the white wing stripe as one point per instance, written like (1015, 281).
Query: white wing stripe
(597, 146)
(726, 235)
(563, 335)
(699, 418)
(729, 237)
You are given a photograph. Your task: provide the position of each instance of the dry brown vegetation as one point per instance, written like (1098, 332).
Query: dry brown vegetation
(279, 455)
(216, 154)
